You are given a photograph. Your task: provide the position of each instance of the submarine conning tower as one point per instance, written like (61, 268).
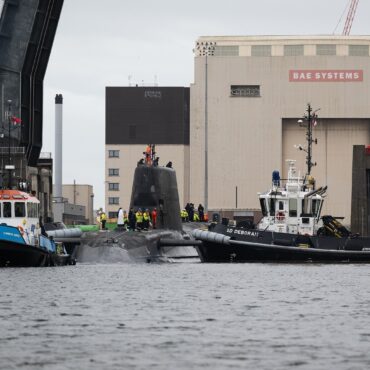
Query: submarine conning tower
(156, 187)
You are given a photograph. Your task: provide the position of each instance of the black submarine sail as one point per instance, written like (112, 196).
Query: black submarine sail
(156, 187)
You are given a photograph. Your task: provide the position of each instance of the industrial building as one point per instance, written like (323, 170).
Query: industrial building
(247, 96)
(27, 30)
(75, 207)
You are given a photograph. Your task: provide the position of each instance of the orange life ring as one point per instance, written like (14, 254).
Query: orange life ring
(280, 216)
(20, 228)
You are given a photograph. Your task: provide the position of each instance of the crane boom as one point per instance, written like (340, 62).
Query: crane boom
(350, 16)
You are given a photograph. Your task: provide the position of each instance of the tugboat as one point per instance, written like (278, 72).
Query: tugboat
(23, 240)
(291, 229)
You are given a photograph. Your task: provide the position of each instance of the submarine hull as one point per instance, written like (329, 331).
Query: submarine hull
(144, 246)
(153, 187)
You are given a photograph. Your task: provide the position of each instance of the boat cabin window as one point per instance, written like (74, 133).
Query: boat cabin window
(7, 209)
(306, 207)
(316, 207)
(272, 206)
(33, 210)
(292, 207)
(20, 209)
(263, 207)
(281, 205)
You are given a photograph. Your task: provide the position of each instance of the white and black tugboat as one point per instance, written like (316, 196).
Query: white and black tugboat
(291, 229)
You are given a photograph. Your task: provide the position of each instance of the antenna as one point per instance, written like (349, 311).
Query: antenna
(311, 121)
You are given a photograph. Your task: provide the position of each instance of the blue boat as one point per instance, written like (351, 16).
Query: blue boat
(23, 242)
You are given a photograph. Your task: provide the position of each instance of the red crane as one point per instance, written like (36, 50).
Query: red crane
(350, 16)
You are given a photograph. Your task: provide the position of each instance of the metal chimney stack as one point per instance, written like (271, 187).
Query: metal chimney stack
(58, 193)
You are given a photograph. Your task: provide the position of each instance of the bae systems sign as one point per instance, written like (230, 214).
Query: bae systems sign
(327, 75)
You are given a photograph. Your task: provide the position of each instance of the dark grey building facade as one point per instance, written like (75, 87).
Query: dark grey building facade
(360, 211)
(143, 115)
(27, 30)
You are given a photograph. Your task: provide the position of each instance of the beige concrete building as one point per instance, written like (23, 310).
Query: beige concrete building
(82, 197)
(250, 91)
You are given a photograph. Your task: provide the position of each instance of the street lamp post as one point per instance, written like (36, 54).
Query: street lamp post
(92, 209)
(9, 166)
(206, 49)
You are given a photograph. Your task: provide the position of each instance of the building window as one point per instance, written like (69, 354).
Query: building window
(224, 51)
(113, 200)
(113, 172)
(261, 51)
(358, 50)
(113, 186)
(113, 153)
(247, 91)
(326, 49)
(112, 214)
(293, 50)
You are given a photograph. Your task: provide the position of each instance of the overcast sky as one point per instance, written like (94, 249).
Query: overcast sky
(102, 43)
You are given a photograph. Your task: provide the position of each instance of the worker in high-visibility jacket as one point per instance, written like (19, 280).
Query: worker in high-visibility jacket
(196, 217)
(184, 215)
(103, 220)
(139, 219)
(146, 219)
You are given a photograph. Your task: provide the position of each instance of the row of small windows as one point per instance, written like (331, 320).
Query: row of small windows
(293, 50)
(290, 50)
(358, 50)
(261, 51)
(247, 91)
(227, 50)
(113, 186)
(113, 153)
(113, 172)
(321, 49)
(113, 200)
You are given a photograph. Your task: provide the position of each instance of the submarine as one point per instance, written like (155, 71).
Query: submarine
(153, 186)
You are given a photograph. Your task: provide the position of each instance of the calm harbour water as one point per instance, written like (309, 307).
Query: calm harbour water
(185, 316)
